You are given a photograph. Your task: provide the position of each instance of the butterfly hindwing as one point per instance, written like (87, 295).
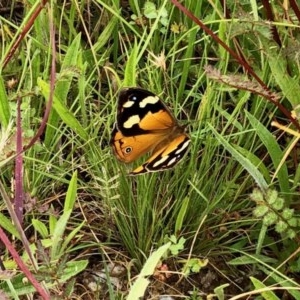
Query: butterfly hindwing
(166, 157)
(144, 124)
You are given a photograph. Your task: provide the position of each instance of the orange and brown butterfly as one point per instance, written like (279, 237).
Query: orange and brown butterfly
(144, 124)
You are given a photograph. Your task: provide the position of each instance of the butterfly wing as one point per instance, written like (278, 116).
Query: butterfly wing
(166, 157)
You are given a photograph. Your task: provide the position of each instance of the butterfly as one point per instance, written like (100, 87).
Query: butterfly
(144, 124)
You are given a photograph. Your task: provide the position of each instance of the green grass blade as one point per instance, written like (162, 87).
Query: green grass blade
(61, 224)
(40, 227)
(106, 34)
(71, 193)
(4, 105)
(181, 215)
(6, 224)
(290, 86)
(71, 235)
(73, 268)
(139, 287)
(62, 87)
(292, 287)
(256, 161)
(268, 295)
(52, 222)
(189, 53)
(63, 111)
(130, 70)
(274, 151)
(58, 232)
(245, 162)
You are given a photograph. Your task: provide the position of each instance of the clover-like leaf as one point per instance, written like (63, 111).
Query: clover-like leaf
(270, 218)
(260, 211)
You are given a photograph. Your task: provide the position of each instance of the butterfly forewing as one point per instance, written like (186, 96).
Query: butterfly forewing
(140, 112)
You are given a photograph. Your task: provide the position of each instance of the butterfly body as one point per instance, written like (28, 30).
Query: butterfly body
(144, 124)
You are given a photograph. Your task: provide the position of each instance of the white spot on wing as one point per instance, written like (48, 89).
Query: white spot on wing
(132, 121)
(173, 160)
(159, 162)
(148, 100)
(184, 146)
(128, 104)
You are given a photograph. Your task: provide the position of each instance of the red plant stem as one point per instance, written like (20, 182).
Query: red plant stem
(270, 17)
(246, 66)
(219, 41)
(22, 266)
(51, 94)
(19, 193)
(235, 40)
(23, 33)
(295, 8)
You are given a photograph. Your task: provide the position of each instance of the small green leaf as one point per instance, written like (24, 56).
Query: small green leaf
(197, 264)
(4, 105)
(150, 11)
(6, 224)
(260, 211)
(257, 196)
(278, 204)
(164, 21)
(293, 222)
(179, 246)
(164, 13)
(251, 259)
(266, 294)
(71, 193)
(291, 234)
(271, 196)
(281, 226)
(181, 215)
(73, 268)
(270, 218)
(219, 291)
(140, 285)
(173, 239)
(288, 213)
(58, 232)
(40, 227)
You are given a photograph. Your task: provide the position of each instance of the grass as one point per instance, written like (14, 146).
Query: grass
(225, 221)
